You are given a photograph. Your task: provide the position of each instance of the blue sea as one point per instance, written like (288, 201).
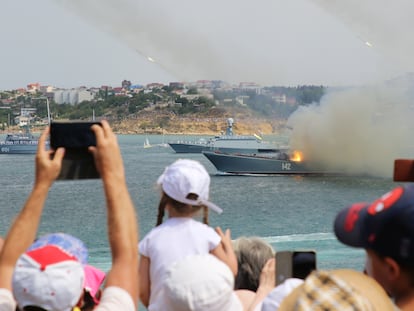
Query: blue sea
(290, 212)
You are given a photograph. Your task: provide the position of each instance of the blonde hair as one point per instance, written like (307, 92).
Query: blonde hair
(252, 254)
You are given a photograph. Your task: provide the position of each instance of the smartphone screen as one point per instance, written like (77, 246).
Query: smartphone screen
(75, 137)
(294, 264)
(72, 135)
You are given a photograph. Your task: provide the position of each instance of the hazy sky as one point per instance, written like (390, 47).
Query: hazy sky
(68, 43)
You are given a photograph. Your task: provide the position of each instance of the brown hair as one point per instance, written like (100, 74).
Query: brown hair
(181, 208)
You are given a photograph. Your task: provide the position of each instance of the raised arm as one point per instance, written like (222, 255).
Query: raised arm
(266, 284)
(23, 230)
(122, 221)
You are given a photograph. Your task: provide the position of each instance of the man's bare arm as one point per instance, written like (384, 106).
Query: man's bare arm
(122, 220)
(23, 230)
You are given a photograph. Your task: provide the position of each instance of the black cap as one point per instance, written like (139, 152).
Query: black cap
(385, 226)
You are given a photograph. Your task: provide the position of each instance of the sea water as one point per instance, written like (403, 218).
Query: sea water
(289, 212)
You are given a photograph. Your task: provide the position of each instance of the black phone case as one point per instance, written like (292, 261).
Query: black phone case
(294, 264)
(75, 137)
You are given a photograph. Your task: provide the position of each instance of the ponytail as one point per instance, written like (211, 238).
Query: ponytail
(205, 215)
(161, 209)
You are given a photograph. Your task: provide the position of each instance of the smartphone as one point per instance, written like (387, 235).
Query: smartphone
(404, 170)
(75, 137)
(294, 264)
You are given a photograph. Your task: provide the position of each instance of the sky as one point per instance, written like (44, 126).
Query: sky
(71, 43)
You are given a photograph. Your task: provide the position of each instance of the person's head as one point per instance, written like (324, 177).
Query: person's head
(94, 279)
(65, 241)
(48, 275)
(185, 186)
(252, 254)
(385, 230)
(47, 278)
(337, 290)
(202, 283)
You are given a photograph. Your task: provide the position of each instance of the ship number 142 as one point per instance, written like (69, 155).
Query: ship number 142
(286, 166)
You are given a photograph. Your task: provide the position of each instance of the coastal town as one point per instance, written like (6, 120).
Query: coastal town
(199, 107)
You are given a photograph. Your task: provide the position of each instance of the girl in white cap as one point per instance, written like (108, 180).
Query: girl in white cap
(185, 187)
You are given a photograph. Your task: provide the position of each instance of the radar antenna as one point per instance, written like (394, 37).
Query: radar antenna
(229, 130)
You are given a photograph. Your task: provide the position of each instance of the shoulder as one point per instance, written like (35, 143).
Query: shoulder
(204, 228)
(153, 233)
(205, 233)
(7, 302)
(115, 298)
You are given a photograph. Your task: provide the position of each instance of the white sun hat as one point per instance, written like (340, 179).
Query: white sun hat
(186, 176)
(200, 283)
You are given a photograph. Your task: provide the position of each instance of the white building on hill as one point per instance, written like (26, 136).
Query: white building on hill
(73, 96)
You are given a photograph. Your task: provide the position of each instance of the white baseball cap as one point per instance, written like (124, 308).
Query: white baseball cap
(48, 277)
(200, 283)
(184, 177)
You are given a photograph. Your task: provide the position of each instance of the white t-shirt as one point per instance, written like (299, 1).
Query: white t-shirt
(175, 239)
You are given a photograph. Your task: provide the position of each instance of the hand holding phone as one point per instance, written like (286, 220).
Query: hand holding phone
(294, 264)
(75, 137)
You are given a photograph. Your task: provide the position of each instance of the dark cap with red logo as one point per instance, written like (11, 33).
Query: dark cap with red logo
(385, 226)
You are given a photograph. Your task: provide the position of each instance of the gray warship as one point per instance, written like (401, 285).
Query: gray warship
(278, 163)
(228, 143)
(19, 143)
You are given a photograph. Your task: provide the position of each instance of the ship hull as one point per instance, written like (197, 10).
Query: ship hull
(18, 149)
(188, 148)
(199, 148)
(262, 165)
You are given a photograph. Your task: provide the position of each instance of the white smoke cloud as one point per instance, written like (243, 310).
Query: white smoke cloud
(359, 130)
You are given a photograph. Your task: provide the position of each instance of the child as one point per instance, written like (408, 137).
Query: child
(185, 188)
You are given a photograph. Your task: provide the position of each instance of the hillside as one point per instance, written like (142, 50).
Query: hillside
(211, 123)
